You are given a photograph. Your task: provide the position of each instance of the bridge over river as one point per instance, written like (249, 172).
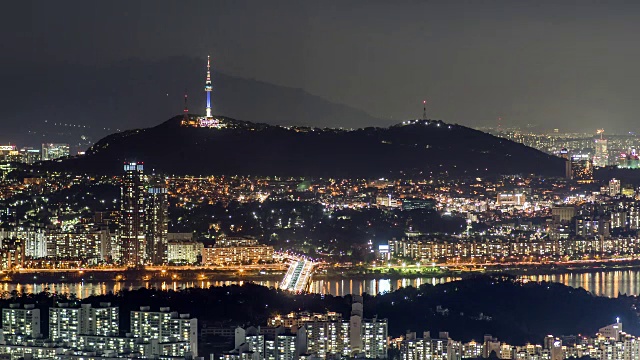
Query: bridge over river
(298, 276)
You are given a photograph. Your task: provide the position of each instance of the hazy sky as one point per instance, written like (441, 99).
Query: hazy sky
(552, 63)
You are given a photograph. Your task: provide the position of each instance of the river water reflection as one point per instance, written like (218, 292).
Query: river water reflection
(602, 283)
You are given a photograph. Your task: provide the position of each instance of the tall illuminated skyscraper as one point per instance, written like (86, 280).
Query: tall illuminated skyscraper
(157, 217)
(601, 157)
(208, 87)
(132, 210)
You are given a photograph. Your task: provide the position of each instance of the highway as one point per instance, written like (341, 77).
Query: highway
(299, 270)
(271, 267)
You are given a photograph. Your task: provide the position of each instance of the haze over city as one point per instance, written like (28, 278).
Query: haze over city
(570, 64)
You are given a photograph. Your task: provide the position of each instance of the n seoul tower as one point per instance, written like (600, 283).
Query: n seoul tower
(207, 87)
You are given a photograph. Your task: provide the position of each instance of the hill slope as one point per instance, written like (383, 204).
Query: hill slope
(425, 148)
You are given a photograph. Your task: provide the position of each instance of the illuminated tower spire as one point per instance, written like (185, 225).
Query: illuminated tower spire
(207, 87)
(186, 109)
(424, 109)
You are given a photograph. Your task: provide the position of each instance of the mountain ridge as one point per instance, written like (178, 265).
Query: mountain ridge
(414, 148)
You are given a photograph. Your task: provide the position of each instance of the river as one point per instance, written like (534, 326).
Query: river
(602, 283)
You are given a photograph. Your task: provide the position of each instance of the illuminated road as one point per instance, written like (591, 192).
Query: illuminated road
(271, 267)
(303, 274)
(298, 276)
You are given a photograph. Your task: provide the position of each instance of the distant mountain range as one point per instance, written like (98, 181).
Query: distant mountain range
(135, 93)
(416, 148)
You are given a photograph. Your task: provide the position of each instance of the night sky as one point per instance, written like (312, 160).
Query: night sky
(567, 64)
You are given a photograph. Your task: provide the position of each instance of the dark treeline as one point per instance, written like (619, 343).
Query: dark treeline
(518, 312)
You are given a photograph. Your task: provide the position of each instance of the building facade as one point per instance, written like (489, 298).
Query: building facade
(165, 326)
(157, 216)
(18, 321)
(184, 252)
(132, 208)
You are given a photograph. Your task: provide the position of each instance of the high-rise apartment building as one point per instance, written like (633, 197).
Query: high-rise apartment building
(132, 210)
(20, 321)
(184, 252)
(374, 338)
(252, 339)
(101, 321)
(321, 336)
(425, 348)
(328, 338)
(64, 324)
(279, 344)
(93, 332)
(11, 253)
(157, 216)
(67, 323)
(33, 239)
(165, 326)
(614, 187)
(236, 250)
(286, 347)
(85, 245)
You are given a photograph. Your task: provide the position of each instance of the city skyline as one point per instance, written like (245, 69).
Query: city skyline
(522, 62)
(286, 180)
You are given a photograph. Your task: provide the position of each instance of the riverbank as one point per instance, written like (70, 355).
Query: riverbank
(194, 274)
(445, 272)
(131, 275)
